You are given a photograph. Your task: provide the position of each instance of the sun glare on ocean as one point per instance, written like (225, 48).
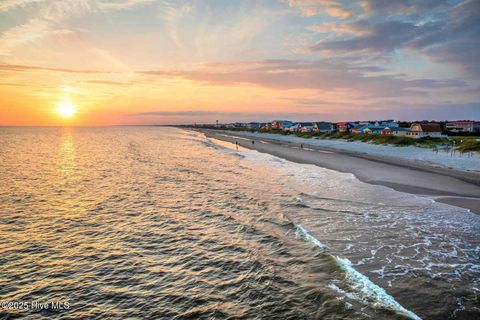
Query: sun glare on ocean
(66, 109)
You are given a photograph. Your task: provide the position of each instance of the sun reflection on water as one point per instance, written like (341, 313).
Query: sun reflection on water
(67, 153)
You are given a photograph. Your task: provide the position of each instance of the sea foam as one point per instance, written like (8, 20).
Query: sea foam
(360, 287)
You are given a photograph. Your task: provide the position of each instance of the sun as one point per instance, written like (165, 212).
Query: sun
(66, 109)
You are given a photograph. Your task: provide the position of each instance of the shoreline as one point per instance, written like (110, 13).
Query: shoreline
(405, 154)
(449, 186)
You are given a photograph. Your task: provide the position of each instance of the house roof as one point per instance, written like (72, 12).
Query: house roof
(373, 128)
(360, 127)
(429, 127)
(324, 125)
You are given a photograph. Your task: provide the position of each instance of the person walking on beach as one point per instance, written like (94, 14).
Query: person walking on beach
(253, 142)
(301, 146)
(236, 144)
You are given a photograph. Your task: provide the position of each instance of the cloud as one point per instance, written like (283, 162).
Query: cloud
(182, 113)
(45, 23)
(430, 111)
(332, 74)
(440, 31)
(457, 41)
(24, 68)
(400, 7)
(314, 102)
(6, 5)
(338, 11)
(394, 110)
(382, 37)
(327, 75)
(49, 18)
(223, 116)
(122, 4)
(342, 28)
(310, 8)
(109, 82)
(11, 84)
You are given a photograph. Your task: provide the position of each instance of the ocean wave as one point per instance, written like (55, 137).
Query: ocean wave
(358, 286)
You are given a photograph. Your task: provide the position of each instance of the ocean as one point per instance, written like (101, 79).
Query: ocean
(163, 223)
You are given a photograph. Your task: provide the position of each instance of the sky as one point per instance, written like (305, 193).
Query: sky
(113, 62)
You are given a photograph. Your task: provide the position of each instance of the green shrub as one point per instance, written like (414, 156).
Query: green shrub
(469, 146)
(404, 141)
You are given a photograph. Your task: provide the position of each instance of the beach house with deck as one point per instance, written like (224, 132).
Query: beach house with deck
(399, 132)
(425, 130)
(294, 127)
(345, 126)
(359, 128)
(266, 126)
(281, 124)
(322, 126)
(373, 129)
(306, 126)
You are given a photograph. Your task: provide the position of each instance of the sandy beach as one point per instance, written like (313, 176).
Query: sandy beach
(454, 187)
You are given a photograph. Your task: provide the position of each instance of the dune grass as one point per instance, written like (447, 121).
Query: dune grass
(383, 139)
(469, 145)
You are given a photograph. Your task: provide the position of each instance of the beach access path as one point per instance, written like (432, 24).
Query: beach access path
(455, 187)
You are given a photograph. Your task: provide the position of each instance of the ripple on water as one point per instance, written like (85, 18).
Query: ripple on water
(160, 223)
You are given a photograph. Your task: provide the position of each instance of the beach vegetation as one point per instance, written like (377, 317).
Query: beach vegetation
(469, 145)
(400, 141)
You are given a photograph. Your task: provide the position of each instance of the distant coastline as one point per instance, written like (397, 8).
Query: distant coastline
(462, 135)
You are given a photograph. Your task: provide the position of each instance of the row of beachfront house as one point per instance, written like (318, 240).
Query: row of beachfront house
(392, 128)
(384, 127)
(283, 125)
(289, 126)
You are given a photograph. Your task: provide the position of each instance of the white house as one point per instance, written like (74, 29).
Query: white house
(281, 124)
(306, 126)
(463, 126)
(321, 126)
(424, 130)
(293, 128)
(400, 132)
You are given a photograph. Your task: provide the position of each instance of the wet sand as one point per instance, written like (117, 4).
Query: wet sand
(454, 187)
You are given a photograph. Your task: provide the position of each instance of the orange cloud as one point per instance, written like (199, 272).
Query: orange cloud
(315, 7)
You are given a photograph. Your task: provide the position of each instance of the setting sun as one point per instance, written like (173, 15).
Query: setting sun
(66, 109)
